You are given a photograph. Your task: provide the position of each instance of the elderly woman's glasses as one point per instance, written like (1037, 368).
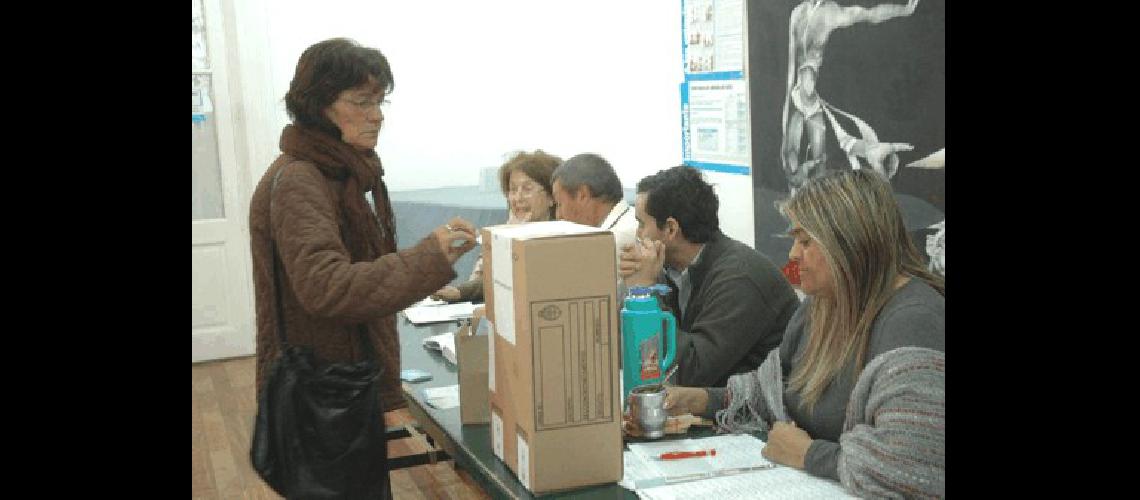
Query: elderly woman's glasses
(524, 190)
(366, 105)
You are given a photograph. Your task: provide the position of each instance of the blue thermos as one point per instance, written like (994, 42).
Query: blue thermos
(647, 333)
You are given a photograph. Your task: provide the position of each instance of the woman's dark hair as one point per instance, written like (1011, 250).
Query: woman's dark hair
(682, 193)
(325, 70)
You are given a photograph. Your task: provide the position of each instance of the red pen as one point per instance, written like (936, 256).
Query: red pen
(674, 455)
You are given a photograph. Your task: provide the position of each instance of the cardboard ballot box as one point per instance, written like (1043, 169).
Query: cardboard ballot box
(471, 347)
(553, 359)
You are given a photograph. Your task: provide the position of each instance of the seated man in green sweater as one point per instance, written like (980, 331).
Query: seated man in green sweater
(731, 302)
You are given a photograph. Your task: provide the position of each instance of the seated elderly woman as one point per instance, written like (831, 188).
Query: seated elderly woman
(856, 390)
(525, 180)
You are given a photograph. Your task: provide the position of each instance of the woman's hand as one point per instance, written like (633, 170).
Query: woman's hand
(641, 262)
(447, 293)
(787, 444)
(678, 401)
(455, 238)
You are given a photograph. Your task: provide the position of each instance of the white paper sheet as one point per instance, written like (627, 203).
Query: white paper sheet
(718, 118)
(497, 434)
(442, 398)
(439, 313)
(503, 282)
(445, 344)
(738, 470)
(491, 362)
(635, 471)
(780, 483)
(523, 461)
(733, 452)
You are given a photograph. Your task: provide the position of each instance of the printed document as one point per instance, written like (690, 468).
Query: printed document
(427, 311)
(738, 470)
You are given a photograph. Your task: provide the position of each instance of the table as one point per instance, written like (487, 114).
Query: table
(470, 445)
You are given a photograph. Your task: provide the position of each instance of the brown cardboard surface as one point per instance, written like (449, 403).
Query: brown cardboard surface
(471, 355)
(589, 452)
(555, 402)
(501, 403)
(488, 280)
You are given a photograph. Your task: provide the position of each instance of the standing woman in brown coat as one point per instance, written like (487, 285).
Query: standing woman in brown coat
(337, 264)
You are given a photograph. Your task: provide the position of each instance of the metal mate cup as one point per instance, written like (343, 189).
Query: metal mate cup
(647, 407)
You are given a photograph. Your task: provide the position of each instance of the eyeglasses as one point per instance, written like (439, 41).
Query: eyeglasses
(524, 190)
(366, 105)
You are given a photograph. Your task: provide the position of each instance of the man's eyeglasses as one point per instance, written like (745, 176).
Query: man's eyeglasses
(367, 105)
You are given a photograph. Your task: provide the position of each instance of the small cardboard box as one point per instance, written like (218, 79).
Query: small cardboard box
(471, 344)
(553, 357)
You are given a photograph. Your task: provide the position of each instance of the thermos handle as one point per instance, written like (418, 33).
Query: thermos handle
(670, 331)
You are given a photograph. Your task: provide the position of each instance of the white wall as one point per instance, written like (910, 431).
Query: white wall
(478, 80)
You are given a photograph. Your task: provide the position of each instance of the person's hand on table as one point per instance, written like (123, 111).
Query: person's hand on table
(787, 444)
(678, 401)
(447, 293)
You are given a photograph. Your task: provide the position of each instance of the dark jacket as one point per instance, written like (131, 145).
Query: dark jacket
(737, 311)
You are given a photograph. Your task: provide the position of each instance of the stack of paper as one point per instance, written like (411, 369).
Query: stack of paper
(444, 343)
(433, 311)
(442, 397)
(738, 470)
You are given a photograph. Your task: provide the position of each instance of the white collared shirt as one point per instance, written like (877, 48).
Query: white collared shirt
(622, 222)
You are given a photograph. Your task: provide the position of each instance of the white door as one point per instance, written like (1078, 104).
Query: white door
(222, 303)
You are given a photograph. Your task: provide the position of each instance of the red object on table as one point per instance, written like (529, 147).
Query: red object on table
(792, 272)
(674, 455)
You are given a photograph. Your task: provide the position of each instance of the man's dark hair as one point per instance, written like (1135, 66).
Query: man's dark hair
(325, 70)
(594, 172)
(682, 193)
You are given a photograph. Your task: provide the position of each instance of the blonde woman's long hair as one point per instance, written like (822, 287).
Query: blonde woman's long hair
(854, 218)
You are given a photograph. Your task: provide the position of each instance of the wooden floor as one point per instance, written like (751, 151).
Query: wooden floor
(224, 406)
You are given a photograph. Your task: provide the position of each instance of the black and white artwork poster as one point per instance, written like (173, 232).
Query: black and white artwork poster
(849, 84)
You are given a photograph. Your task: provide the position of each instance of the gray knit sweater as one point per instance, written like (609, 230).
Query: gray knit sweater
(913, 317)
(894, 440)
(894, 433)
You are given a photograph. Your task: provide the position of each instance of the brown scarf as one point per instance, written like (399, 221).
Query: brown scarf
(367, 236)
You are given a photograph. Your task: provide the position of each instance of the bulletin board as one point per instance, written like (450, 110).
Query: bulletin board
(714, 96)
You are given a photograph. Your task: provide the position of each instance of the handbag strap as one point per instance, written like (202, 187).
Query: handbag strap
(362, 338)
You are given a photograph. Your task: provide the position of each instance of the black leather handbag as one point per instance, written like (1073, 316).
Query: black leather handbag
(319, 431)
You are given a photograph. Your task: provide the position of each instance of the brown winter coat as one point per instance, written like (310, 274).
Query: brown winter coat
(330, 293)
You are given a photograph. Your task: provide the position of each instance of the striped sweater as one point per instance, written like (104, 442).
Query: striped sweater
(894, 435)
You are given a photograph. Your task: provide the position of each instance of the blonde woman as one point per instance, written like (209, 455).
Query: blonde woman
(855, 392)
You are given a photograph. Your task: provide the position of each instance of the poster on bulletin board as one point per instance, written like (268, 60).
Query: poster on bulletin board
(200, 103)
(716, 135)
(714, 96)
